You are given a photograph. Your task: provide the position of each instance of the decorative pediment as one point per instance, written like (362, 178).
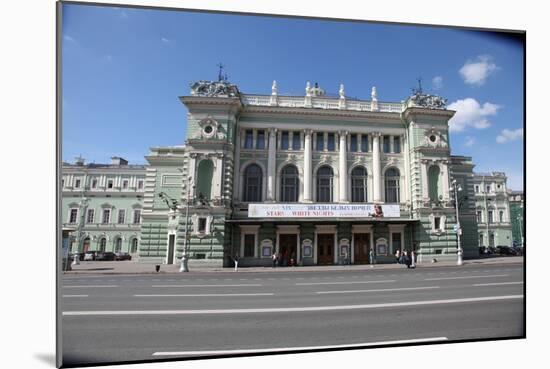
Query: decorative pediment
(214, 89)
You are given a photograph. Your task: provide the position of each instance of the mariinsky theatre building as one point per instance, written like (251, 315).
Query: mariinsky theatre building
(314, 179)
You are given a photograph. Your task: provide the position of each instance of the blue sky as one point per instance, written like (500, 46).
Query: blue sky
(123, 70)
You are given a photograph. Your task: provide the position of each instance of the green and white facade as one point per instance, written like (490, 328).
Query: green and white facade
(297, 176)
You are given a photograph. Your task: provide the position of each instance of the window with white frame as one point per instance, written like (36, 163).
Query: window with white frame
(118, 244)
(248, 139)
(252, 183)
(353, 143)
(490, 216)
(121, 216)
(501, 216)
(477, 188)
(364, 143)
(396, 144)
(73, 215)
(90, 216)
(325, 177)
(134, 246)
(106, 216)
(296, 141)
(110, 183)
(290, 181)
(488, 188)
(140, 185)
(137, 216)
(437, 223)
(260, 139)
(331, 142)
(125, 184)
(392, 177)
(284, 140)
(479, 216)
(319, 141)
(202, 225)
(359, 184)
(102, 244)
(386, 144)
(94, 183)
(77, 183)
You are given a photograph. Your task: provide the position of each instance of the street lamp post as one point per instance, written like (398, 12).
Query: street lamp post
(82, 205)
(184, 257)
(457, 188)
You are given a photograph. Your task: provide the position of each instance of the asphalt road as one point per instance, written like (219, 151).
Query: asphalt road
(109, 318)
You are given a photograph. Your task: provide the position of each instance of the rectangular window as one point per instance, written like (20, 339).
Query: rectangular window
(94, 183)
(73, 215)
(248, 139)
(284, 140)
(249, 245)
(364, 143)
(121, 216)
(319, 141)
(202, 225)
(501, 216)
(477, 188)
(296, 141)
(386, 144)
(396, 144)
(488, 189)
(77, 183)
(140, 185)
(110, 183)
(490, 216)
(478, 216)
(260, 140)
(331, 146)
(137, 216)
(353, 143)
(106, 216)
(62, 183)
(90, 216)
(437, 223)
(125, 184)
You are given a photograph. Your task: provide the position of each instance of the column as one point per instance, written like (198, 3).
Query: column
(425, 184)
(271, 161)
(343, 168)
(445, 178)
(376, 166)
(408, 180)
(237, 164)
(307, 165)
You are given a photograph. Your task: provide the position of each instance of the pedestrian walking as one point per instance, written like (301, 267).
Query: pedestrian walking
(274, 259)
(407, 259)
(402, 258)
(372, 258)
(413, 262)
(236, 261)
(398, 256)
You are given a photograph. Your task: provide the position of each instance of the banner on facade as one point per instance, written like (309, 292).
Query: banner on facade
(323, 211)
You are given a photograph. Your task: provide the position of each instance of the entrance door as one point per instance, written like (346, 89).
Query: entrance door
(361, 248)
(86, 245)
(325, 246)
(171, 239)
(287, 248)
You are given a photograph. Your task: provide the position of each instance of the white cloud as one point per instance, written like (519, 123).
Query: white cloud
(469, 141)
(437, 83)
(476, 72)
(165, 40)
(69, 38)
(469, 113)
(507, 135)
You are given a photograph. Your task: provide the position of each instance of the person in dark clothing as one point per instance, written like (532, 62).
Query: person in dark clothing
(407, 259)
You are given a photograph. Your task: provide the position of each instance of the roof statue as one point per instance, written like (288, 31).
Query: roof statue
(274, 88)
(342, 92)
(421, 99)
(220, 88)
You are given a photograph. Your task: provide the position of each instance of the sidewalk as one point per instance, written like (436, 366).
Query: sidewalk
(134, 267)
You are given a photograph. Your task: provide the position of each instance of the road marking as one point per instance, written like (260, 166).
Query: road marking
(205, 285)
(380, 290)
(279, 349)
(97, 286)
(350, 282)
(288, 309)
(496, 284)
(75, 295)
(210, 295)
(471, 276)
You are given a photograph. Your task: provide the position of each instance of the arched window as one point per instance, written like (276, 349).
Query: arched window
(391, 179)
(102, 244)
(205, 173)
(324, 184)
(252, 183)
(359, 185)
(134, 246)
(289, 184)
(118, 244)
(434, 181)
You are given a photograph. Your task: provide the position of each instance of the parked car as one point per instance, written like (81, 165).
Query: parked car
(106, 256)
(90, 255)
(506, 250)
(123, 256)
